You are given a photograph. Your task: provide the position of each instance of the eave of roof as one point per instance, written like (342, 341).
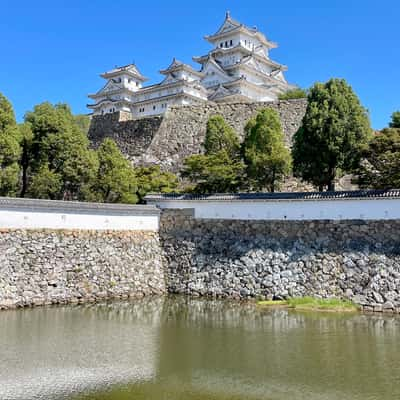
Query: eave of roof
(284, 196)
(75, 206)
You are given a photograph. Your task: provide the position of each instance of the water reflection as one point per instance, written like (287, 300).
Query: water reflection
(179, 348)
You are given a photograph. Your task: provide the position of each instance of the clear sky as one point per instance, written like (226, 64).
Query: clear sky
(54, 50)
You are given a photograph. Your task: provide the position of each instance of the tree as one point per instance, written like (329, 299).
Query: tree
(83, 122)
(45, 184)
(395, 120)
(9, 149)
(380, 167)
(152, 179)
(116, 181)
(334, 132)
(7, 116)
(265, 154)
(26, 137)
(214, 173)
(297, 93)
(59, 145)
(220, 168)
(221, 136)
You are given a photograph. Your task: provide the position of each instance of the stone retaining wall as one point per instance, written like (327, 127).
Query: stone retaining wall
(356, 260)
(166, 140)
(56, 267)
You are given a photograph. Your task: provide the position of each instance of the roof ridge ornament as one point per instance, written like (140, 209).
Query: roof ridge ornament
(228, 14)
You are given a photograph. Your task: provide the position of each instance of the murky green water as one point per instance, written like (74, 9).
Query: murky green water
(179, 348)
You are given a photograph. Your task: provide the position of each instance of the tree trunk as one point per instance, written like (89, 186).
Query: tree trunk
(273, 181)
(25, 165)
(321, 188)
(332, 176)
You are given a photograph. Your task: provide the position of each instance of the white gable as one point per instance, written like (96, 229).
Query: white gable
(214, 75)
(110, 86)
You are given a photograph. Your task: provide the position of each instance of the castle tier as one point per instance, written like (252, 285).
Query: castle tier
(238, 68)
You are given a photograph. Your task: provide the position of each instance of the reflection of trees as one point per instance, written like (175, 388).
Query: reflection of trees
(341, 355)
(184, 348)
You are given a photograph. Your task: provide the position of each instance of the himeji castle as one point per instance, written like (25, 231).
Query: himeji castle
(238, 68)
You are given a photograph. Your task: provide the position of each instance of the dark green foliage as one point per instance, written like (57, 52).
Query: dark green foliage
(10, 150)
(45, 184)
(334, 132)
(83, 122)
(380, 168)
(395, 123)
(7, 116)
(214, 173)
(221, 136)
(297, 93)
(153, 180)
(220, 168)
(26, 137)
(116, 181)
(265, 154)
(59, 145)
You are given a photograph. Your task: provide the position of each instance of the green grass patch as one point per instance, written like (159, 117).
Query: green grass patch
(313, 304)
(272, 303)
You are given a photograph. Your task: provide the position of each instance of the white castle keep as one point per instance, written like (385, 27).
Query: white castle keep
(238, 68)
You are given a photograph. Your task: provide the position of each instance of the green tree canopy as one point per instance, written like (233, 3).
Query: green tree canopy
(7, 116)
(334, 132)
(220, 168)
(265, 154)
(58, 144)
(221, 136)
(152, 179)
(395, 123)
(83, 122)
(214, 173)
(297, 93)
(10, 149)
(380, 167)
(116, 181)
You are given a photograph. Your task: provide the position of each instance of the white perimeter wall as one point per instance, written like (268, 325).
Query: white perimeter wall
(32, 219)
(290, 210)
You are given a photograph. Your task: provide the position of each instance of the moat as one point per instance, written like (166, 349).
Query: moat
(182, 348)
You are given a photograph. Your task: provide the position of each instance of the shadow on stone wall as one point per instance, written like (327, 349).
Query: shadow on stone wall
(357, 260)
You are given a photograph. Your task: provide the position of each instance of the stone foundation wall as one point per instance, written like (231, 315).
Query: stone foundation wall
(168, 139)
(356, 260)
(56, 267)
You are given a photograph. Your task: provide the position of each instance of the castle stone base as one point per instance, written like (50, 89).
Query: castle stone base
(168, 139)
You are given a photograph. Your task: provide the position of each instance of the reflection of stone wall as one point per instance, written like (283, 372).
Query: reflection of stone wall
(45, 267)
(167, 140)
(358, 260)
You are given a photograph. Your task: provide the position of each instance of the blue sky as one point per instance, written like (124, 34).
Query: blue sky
(54, 50)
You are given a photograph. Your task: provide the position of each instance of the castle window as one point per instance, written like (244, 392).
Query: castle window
(221, 45)
(231, 42)
(154, 107)
(226, 44)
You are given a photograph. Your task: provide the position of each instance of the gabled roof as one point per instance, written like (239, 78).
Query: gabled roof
(211, 61)
(219, 93)
(177, 65)
(230, 25)
(129, 69)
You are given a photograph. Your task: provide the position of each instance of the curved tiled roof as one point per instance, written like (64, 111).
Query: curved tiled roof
(342, 195)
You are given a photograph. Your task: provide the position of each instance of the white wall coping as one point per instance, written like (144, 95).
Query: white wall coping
(16, 213)
(297, 206)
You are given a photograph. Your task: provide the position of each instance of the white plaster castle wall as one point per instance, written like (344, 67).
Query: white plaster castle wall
(365, 209)
(76, 220)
